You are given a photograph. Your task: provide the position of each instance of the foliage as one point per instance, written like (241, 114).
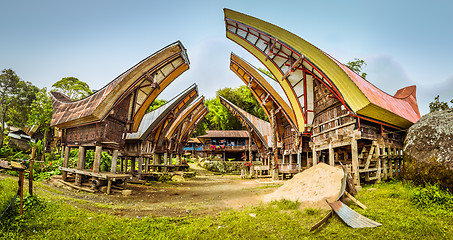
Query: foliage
(438, 105)
(156, 104)
(389, 204)
(16, 97)
(432, 172)
(73, 88)
(267, 73)
(220, 118)
(357, 66)
(432, 197)
(41, 111)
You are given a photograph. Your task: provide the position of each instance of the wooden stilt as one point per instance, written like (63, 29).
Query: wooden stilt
(114, 161)
(80, 164)
(331, 155)
(355, 162)
(97, 159)
(64, 174)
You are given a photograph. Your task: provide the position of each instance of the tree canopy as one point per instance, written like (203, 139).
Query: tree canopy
(73, 88)
(220, 118)
(16, 97)
(438, 105)
(357, 65)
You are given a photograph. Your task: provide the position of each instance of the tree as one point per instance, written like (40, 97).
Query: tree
(357, 66)
(19, 110)
(155, 105)
(15, 99)
(437, 105)
(41, 114)
(220, 118)
(73, 88)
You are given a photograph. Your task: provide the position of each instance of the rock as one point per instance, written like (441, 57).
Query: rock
(428, 150)
(126, 193)
(177, 178)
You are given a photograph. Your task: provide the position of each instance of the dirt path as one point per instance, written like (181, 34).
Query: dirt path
(205, 194)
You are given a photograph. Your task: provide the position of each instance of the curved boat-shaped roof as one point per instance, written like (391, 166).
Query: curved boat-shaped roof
(292, 61)
(190, 127)
(260, 129)
(185, 117)
(144, 82)
(261, 89)
(161, 118)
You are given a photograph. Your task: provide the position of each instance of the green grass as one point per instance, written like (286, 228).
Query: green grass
(390, 204)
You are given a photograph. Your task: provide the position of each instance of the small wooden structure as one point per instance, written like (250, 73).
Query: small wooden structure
(101, 120)
(149, 141)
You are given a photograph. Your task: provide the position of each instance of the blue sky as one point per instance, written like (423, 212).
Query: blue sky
(403, 42)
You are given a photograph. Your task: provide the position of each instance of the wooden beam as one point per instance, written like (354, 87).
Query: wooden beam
(80, 164)
(97, 159)
(271, 49)
(292, 67)
(65, 162)
(370, 156)
(114, 161)
(355, 161)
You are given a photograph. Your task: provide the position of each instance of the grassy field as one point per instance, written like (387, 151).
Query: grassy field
(391, 204)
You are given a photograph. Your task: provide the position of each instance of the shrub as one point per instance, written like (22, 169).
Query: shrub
(432, 197)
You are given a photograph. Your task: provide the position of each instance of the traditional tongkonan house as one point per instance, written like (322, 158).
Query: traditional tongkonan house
(149, 140)
(343, 117)
(101, 120)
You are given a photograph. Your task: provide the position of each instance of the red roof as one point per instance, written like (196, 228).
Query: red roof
(403, 104)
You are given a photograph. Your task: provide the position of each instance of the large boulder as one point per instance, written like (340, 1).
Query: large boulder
(428, 150)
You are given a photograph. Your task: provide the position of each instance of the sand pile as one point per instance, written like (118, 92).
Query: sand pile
(311, 187)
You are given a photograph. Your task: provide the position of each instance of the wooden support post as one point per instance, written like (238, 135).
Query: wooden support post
(299, 161)
(165, 158)
(114, 161)
(126, 160)
(378, 163)
(391, 158)
(315, 157)
(80, 165)
(133, 165)
(30, 174)
(21, 187)
(147, 165)
(170, 160)
(109, 185)
(97, 159)
(250, 154)
(274, 143)
(385, 160)
(331, 155)
(355, 161)
(140, 165)
(64, 174)
(121, 164)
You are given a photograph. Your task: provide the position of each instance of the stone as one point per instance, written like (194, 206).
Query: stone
(428, 150)
(126, 193)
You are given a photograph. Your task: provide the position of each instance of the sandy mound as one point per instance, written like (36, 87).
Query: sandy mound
(311, 187)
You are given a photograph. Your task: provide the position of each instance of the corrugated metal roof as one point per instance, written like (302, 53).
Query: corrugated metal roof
(152, 120)
(351, 217)
(225, 134)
